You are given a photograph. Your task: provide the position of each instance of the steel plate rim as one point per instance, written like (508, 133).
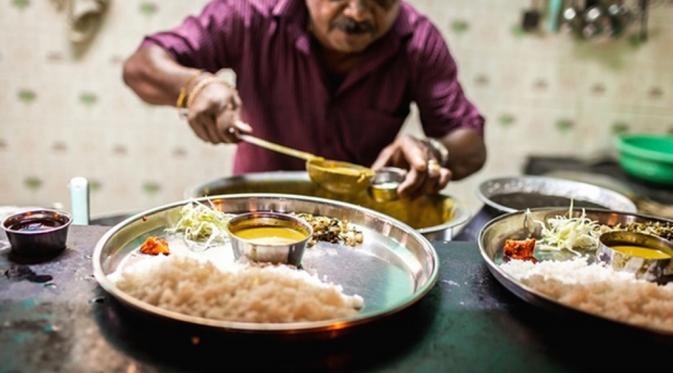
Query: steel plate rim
(502, 275)
(460, 216)
(307, 327)
(482, 195)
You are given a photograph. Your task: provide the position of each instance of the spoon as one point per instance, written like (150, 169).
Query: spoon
(250, 139)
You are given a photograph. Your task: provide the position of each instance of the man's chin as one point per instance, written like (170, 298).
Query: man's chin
(352, 43)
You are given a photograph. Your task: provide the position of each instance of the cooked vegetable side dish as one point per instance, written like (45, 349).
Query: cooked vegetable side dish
(154, 245)
(663, 230)
(521, 250)
(332, 230)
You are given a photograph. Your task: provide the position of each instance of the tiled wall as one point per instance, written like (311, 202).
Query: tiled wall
(65, 113)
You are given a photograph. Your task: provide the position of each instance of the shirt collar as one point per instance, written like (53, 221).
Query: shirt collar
(294, 11)
(403, 26)
(287, 7)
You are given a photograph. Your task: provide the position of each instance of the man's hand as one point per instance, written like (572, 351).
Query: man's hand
(214, 114)
(424, 176)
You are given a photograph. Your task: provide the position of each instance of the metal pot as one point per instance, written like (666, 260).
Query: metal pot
(433, 216)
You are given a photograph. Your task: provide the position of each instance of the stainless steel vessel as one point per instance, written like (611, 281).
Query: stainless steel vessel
(517, 226)
(550, 186)
(272, 252)
(436, 217)
(393, 268)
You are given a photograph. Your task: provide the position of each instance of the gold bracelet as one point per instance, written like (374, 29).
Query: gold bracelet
(201, 85)
(180, 103)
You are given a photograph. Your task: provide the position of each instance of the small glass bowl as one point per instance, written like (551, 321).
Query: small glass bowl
(37, 232)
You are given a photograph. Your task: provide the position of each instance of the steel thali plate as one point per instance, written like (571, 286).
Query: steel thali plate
(549, 186)
(511, 226)
(392, 269)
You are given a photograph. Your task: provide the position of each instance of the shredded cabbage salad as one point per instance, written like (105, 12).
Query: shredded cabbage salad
(569, 233)
(202, 224)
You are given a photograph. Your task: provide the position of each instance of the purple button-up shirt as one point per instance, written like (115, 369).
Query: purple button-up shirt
(286, 93)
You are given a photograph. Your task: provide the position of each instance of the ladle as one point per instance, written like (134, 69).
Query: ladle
(335, 176)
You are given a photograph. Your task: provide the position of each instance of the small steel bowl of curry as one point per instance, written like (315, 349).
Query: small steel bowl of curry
(269, 237)
(648, 257)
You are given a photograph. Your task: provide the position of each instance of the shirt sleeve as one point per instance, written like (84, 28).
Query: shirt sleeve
(435, 88)
(211, 40)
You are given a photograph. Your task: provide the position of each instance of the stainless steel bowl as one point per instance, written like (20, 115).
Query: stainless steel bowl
(385, 182)
(655, 270)
(286, 253)
(435, 217)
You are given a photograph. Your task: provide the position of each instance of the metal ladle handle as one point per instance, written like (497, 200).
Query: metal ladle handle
(277, 147)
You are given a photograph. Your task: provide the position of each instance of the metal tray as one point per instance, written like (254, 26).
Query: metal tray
(511, 226)
(435, 217)
(393, 268)
(550, 186)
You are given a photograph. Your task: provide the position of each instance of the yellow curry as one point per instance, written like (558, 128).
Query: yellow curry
(641, 252)
(271, 235)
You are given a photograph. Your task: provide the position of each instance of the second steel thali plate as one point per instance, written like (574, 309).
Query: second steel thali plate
(435, 217)
(511, 226)
(392, 269)
(509, 194)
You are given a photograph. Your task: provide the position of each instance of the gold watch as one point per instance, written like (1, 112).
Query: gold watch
(438, 149)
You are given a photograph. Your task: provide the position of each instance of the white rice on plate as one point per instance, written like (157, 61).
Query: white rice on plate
(598, 289)
(244, 293)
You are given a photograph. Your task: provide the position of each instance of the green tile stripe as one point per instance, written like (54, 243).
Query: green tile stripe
(20, 4)
(148, 8)
(26, 95)
(151, 187)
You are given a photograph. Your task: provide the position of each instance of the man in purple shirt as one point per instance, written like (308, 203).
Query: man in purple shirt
(330, 77)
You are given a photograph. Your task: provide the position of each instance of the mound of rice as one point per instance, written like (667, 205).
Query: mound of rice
(599, 289)
(271, 294)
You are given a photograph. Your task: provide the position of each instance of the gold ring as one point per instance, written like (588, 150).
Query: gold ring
(433, 166)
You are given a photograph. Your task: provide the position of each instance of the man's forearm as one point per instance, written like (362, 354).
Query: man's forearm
(467, 152)
(154, 76)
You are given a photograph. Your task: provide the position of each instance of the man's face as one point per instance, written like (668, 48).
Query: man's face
(350, 26)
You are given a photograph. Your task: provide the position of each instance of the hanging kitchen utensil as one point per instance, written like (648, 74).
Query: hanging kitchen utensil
(530, 20)
(572, 17)
(643, 5)
(593, 15)
(620, 17)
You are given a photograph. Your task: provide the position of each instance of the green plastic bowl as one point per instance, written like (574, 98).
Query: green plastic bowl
(648, 157)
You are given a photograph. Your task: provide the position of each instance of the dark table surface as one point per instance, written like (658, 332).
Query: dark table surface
(54, 317)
